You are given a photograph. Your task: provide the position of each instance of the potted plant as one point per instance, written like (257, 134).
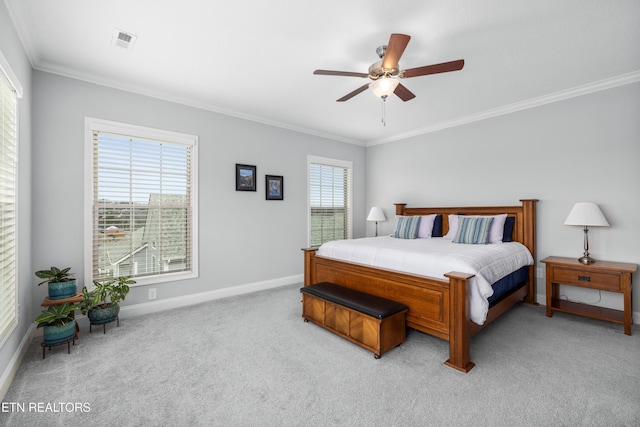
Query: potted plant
(58, 322)
(101, 304)
(61, 284)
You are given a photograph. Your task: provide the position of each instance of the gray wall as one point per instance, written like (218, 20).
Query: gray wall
(243, 238)
(581, 149)
(14, 53)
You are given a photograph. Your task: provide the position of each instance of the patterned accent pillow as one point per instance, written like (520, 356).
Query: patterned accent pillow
(474, 230)
(496, 232)
(406, 227)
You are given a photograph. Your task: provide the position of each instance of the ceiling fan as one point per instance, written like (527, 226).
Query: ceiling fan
(385, 72)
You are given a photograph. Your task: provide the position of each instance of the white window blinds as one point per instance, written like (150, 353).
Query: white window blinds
(329, 201)
(8, 176)
(143, 211)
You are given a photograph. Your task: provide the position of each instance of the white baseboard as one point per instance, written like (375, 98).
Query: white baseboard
(15, 362)
(186, 300)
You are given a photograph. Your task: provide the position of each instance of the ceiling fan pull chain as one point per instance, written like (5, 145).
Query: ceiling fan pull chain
(384, 122)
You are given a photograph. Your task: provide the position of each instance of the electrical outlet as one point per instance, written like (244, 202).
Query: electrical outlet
(152, 293)
(539, 272)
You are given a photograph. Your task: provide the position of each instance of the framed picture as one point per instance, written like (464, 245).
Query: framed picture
(274, 187)
(245, 178)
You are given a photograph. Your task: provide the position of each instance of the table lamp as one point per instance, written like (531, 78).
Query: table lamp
(376, 214)
(586, 214)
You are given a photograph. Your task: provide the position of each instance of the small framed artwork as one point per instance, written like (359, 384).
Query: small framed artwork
(245, 178)
(274, 187)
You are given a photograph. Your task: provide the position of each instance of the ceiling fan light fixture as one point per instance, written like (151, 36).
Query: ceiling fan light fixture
(384, 86)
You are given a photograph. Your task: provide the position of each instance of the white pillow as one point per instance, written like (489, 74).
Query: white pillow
(495, 232)
(453, 227)
(497, 228)
(426, 226)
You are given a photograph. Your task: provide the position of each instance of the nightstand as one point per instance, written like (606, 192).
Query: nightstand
(602, 275)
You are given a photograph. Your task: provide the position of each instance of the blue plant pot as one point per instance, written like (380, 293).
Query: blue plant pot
(62, 290)
(98, 316)
(56, 334)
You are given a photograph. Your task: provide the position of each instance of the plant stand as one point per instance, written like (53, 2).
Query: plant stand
(71, 340)
(104, 324)
(49, 302)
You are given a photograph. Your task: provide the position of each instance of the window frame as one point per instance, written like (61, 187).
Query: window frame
(337, 163)
(142, 132)
(14, 85)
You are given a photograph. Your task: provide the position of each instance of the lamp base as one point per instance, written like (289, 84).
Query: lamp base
(586, 260)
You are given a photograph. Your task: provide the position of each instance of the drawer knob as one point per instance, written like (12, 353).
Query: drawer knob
(584, 278)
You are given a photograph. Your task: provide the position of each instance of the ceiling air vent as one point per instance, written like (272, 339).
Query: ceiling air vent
(123, 39)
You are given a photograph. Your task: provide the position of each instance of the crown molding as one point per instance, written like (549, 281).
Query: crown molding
(66, 72)
(600, 85)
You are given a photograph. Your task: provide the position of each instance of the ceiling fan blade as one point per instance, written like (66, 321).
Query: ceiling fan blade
(395, 49)
(354, 93)
(403, 93)
(340, 73)
(433, 69)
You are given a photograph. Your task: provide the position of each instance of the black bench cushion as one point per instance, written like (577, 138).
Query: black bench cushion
(359, 301)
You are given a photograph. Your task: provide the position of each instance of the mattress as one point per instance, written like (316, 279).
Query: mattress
(434, 258)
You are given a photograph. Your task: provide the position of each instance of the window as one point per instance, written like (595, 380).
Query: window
(141, 216)
(9, 94)
(329, 200)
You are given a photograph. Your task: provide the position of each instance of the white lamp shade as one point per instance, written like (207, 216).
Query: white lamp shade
(384, 86)
(586, 214)
(376, 214)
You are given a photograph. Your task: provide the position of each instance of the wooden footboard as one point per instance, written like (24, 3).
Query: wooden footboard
(436, 306)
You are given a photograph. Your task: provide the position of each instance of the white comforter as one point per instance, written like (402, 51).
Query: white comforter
(435, 257)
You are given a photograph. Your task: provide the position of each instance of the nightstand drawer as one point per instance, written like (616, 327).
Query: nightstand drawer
(586, 279)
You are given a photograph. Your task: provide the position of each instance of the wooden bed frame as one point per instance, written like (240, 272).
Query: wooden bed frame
(437, 307)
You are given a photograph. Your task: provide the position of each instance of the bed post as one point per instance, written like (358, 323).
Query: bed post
(309, 253)
(400, 208)
(529, 240)
(459, 333)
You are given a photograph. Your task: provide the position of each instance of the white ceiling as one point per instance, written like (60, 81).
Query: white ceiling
(255, 59)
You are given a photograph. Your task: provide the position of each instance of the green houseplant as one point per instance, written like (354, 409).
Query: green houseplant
(61, 284)
(58, 322)
(101, 304)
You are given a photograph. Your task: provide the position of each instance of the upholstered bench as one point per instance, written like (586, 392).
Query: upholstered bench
(374, 323)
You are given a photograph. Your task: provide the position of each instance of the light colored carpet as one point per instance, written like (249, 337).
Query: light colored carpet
(250, 360)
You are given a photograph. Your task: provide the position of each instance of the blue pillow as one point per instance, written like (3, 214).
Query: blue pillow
(474, 230)
(508, 228)
(437, 226)
(407, 227)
